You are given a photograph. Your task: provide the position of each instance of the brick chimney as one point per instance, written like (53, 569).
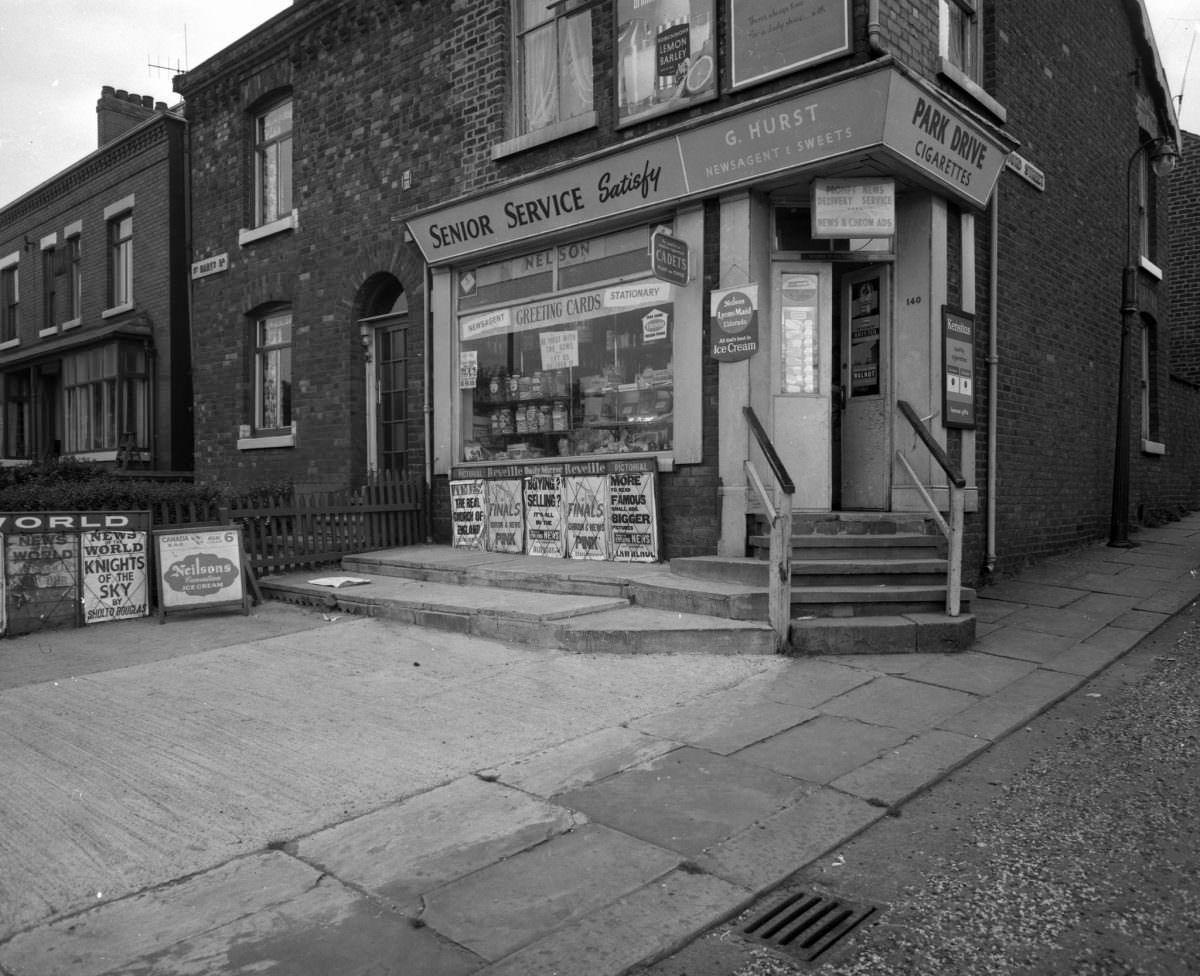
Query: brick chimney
(118, 111)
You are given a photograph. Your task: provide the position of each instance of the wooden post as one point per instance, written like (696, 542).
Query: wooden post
(954, 556)
(779, 583)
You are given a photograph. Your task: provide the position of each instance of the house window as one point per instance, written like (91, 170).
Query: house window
(553, 62)
(1150, 420)
(120, 261)
(962, 37)
(16, 414)
(10, 300)
(74, 280)
(273, 373)
(51, 264)
(273, 163)
(106, 393)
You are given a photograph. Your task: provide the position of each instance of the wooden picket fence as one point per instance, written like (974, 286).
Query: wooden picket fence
(298, 531)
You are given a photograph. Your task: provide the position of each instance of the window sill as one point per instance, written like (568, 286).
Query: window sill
(1153, 447)
(47, 333)
(10, 343)
(73, 324)
(94, 456)
(550, 133)
(1152, 269)
(956, 76)
(251, 234)
(108, 313)
(263, 442)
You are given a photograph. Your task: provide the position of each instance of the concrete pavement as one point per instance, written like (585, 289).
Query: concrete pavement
(297, 792)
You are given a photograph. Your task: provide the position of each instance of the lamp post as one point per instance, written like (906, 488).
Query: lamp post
(1163, 157)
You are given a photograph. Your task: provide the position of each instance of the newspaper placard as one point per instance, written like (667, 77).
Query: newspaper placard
(506, 516)
(544, 534)
(587, 516)
(468, 513)
(115, 576)
(633, 511)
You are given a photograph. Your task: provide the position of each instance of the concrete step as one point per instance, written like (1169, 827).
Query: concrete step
(909, 633)
(569, 621)
(908, 545)
(813, 572)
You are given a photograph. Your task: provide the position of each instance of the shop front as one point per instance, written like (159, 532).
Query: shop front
(573, 314)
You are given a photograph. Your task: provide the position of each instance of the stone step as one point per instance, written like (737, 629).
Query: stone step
(578, 622)
(813, 572)
(909, 633)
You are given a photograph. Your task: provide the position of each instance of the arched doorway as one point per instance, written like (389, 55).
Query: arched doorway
(383, 331)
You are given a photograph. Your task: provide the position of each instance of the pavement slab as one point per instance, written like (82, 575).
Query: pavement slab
(978, 674)
(409, 848)
(910, 768)
(512, 902)
(1026, 645)
(823, 749)
(1012, 706)
(899, 703)
(749, 720)
(686, 800)
(582, 761)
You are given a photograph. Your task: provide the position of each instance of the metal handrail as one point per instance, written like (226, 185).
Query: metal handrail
(952, 530)
(786, 485)
(932, 445)
(779, 512)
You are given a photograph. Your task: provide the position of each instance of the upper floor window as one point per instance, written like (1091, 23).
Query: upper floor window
(273, 163)
(10, 298)
(52, 267)
(120, 261)
(74, 279)
(553, 56)
(961, 39)
(273, 372)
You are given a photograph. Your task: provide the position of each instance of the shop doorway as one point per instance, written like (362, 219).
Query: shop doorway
(864, 428)
(831, 381)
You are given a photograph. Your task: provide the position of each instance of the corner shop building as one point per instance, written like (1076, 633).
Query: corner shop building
(838, 216)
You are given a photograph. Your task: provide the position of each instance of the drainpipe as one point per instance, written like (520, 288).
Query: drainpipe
(875, 31)
(993, 372)
(428, 407)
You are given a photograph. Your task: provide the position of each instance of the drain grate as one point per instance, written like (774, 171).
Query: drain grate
(806, 924)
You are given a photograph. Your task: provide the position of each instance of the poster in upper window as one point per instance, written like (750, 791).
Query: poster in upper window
(665, 57)
(772, 37)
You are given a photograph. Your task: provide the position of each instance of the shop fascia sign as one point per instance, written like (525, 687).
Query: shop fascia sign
(882, 112)
(853, 208)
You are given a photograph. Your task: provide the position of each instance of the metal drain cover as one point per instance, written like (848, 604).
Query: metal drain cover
(806, 924)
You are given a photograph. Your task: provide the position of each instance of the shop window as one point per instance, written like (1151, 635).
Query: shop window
(106, 392)
(10, 298)
(273, 163)
(585, 368)
(553, 71)
(273, 373)
(120, 261)
(16, 415)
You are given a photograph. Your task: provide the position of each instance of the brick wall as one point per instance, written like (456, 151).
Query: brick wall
(1184, 273)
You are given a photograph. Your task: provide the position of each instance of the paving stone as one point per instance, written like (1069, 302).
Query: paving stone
(652, 921)
(511, 903)
(686, 800)
(822, 750)
(979, 674)
(1027, 645)
(807, 682)
(910, 768)
(583, 761)
(899, 703)
(409, 848)
(741, 723)
(766, 853)
(996, 716)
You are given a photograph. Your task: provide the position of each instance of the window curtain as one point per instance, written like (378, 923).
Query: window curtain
(541, 81)
(577, 65)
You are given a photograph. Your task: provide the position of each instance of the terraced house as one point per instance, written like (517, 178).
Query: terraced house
(94, 340)
(595, 269)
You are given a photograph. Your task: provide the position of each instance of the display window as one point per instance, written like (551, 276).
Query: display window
(576, 359)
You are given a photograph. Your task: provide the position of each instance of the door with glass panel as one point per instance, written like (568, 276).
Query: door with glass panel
(802, 378)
